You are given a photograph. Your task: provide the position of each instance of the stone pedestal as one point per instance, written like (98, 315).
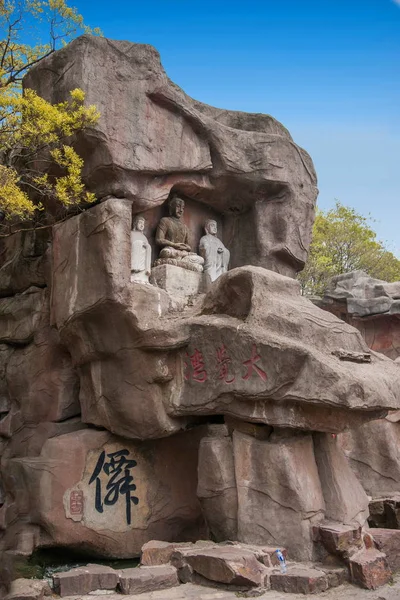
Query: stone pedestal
(178, 281)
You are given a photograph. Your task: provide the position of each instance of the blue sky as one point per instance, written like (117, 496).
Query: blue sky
(329, 70)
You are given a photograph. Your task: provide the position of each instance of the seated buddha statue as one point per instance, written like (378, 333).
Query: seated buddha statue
(173, 237)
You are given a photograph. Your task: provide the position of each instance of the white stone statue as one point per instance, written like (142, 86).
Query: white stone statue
(216, 256)
(140, 252)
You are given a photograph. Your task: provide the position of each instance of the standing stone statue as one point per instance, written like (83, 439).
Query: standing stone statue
(140, 252)
(173, 237)
(216, 256)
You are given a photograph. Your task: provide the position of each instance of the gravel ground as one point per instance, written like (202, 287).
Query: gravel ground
(193, 592)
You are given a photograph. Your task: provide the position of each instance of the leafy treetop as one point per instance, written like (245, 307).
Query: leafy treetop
(34, 134)
(344, 241)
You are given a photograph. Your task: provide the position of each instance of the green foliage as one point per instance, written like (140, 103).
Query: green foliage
(344, 241)
(34, 134)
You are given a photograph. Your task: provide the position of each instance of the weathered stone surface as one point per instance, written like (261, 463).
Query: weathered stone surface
(20, 316)
(137, 361)
(364, 294)
(300, 580)
(280, 360)
(370, 305)
(147, 579)
(336, 576)
(217, 487)
(369, 568)
(178, 282)
(85, 579)
(151, 138)
(104, 321)
(388, 542)
(385, 512)
(279, 492)
(257, 430)
(29, 589)
(156, 552)
(230, 565)
(345, 499)
(58, 489)
(5, 354)
(42, 381)
(374, 454)
(339, 539)
(24, 261)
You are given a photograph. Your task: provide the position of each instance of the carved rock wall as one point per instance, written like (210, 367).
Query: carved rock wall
(152, 138)
(107, 384)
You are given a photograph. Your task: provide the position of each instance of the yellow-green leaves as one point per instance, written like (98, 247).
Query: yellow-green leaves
(37, 163)
(33, 137)
(12, 199)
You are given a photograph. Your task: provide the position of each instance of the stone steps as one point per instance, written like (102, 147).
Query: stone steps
(237, 567)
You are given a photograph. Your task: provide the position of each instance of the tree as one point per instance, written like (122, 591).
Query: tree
(344, 241)
(35, 135)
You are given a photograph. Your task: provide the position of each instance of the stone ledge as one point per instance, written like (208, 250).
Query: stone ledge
(177, 281)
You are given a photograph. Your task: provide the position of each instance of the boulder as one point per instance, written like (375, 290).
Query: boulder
(345, 500)
(229, 565)
(21, 315)
(371, 305)
(108, 496)
(363, 294)
(156, 552)
(216, 487)
(24, 261)
(279, 492)
(29, 589)
(373, 451)
(83, 580)
(279, 356)
(300, 580)
(388, 542)
(369, 569)
(147, 579)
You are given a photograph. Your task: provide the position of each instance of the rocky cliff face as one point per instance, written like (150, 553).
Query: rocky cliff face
(152, 138)
(119, 403)
(373, 307)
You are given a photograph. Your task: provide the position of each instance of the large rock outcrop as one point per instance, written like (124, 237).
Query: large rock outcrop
(373, 307)
(152, 138)
(119, 401)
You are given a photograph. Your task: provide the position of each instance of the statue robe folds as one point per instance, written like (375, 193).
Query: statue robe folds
(140, 257)
(216, 256)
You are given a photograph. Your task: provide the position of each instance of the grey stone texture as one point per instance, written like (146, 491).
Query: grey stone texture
(279, 493)
(364, 295)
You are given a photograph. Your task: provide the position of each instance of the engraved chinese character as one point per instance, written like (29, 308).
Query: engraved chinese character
(252, 367)
(196, 370)
(223, 361)
(117, 468)
(76, 502)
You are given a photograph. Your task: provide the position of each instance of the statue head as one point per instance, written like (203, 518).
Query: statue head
(176, 207)
(211, 226)
(138, 223)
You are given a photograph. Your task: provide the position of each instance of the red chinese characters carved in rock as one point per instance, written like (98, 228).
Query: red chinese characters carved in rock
(223, 362)
(194, 367)
(76, 502)
(252, 367)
